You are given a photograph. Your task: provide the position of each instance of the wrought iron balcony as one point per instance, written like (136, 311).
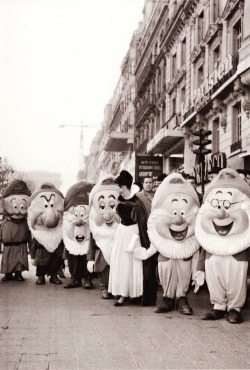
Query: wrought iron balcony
(147, 107)
(235, 146)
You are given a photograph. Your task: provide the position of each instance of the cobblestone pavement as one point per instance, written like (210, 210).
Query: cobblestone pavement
(48, 327)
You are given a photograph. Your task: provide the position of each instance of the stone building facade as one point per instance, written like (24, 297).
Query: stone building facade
(191, 70)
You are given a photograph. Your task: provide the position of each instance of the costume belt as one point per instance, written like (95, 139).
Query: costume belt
(11, 244)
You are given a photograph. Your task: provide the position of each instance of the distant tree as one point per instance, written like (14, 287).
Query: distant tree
(7, 173)
(81, 175)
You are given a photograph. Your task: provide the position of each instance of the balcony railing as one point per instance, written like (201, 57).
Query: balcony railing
(146, 108)
(236, 146)
(144, 77)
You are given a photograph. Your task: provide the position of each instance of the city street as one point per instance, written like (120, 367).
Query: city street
(49, 327)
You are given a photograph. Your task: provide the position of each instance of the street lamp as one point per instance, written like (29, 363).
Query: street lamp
(82, 125)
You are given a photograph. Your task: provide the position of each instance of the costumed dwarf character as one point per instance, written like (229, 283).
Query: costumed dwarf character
(15, 234)
(45, 215)
(223, 230)
(76, 234)
(171, 232)
(103, 222)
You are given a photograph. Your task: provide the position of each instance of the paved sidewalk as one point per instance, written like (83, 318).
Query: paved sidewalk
(49, 327)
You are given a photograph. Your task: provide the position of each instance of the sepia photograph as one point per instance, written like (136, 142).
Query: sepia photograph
(124, 184)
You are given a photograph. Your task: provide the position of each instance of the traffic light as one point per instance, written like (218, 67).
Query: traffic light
(202, 142)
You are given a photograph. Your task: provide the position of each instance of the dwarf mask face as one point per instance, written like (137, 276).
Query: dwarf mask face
(76, 223)
(178, 217)
(76, 231)
(104, 204)
(46, 210)
(16, 206)
(223, 221)
(45, 215)
(172, 219)
(222, 213)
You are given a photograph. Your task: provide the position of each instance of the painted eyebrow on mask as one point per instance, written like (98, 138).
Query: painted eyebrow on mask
(80, 207)
(100, 197)
(112, 196)
(176, 200)
(230, 193)
(44, 196)
(12, 199)
(218, 192)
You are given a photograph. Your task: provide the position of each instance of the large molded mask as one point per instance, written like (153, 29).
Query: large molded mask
(16, 206)
(222, 225)
(172, 219)
(76, 229)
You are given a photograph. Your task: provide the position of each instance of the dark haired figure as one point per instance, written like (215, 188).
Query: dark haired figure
(127, 278)
(213, 173)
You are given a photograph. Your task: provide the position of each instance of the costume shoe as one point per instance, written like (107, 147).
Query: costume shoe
(234, 317)
(168, 305)
(41, 280)
(55, 280)
(214, 315)
(88, 284)
(73, 284)
(18, 276)
(183, 307)
(7, 277)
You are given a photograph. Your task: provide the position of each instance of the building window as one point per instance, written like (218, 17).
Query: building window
(237, 36)
(200, 28)
(173, 106)
(200, 75)
(183, 52)
(216, 56)
(183, 95)
(174, 65)
(216, 10)
(216, 136)
(237, 123)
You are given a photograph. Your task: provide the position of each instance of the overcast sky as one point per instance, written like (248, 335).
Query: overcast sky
(59, 64)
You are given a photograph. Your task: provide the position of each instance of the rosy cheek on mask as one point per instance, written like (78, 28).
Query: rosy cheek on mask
(99, 219)
(162, 225)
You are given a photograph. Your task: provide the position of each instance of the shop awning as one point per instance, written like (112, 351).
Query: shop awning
(119, 141)
(164, 140)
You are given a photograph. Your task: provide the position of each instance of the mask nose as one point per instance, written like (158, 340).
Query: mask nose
(107, 216)
(221, 213)
(178, 220)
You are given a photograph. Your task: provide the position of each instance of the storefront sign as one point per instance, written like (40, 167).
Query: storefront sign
(148, 166)
(218, 73)
(156, 139)
(216, 160)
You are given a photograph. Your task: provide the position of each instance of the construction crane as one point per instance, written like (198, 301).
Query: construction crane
(82, 125)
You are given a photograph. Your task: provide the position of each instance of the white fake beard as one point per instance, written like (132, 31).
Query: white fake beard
(74, 247)
(221, 245)
(49, 238)
(103, 235)
(170, 248)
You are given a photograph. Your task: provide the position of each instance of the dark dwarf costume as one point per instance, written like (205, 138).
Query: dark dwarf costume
(14, 232)
(76, 234)
(45, 215)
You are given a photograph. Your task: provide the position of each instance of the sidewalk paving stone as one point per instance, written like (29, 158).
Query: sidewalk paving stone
(52, 328)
